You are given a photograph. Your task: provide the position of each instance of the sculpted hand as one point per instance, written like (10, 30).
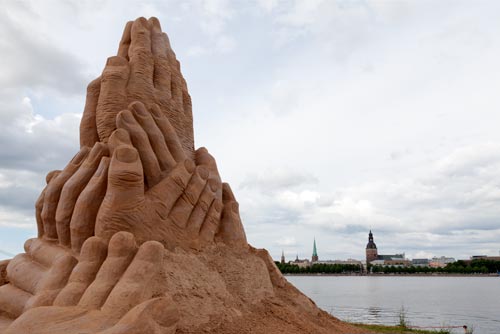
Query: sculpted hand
(145, 69)
(56, 206)
(110, 291)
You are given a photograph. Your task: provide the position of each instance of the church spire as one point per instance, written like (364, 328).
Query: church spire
(315, 252)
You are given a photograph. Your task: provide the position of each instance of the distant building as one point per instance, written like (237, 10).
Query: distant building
(348, 261)
(302, 263)
(420, 262)
(314, 257)
(282, 257)
(371, 249)
(440, 262)
(373, 258)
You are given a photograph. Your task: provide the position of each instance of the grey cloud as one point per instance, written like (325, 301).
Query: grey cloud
(30, 59)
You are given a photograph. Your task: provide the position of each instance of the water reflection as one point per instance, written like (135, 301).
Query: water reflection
(427, 301)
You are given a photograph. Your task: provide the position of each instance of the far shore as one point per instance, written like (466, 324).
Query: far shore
(390, 275)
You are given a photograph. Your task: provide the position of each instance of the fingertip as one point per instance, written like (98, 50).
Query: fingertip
(139, 108)
(120, 136)
(227, 193)
(121, 243)
(189, 165)
(126, 154)
(93, 248)
(155, 25)
(27, 245)
(116, 61)
(156, 111)
(51, 175)
(78, 158)
(202, 172)
(125, 118)
(150, 251)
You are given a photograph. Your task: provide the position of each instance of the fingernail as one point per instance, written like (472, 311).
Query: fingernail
(190, 166)
(155, 111)
(213, 185)
(139, 109)
(203, 172)
(127, 117)
(142, 22)
(102, 166)
(126, 154)
(116, 61)
(78, 158)
(120, 136)
(155, 24)
(218, 205)
(97, 152)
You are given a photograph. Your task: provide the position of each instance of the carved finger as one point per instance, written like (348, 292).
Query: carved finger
(203, 158)
(212, 221)
(166, 193)
(155, 136)
(113, 95)
(176, 84)
(160, 46)
(87, 206)
(43, 252)
(53, 193)
(72, 190)
(140, 140)
(121, 251)
(135, 285)
(117, 138)
(93, 254)
(24, 273)
(141, 60)
(184, 206)
(52, 282)
(124, 193)
(40, 201)
(13, 300)
(88, 124)
(155, 316)
(200, 210)
(231, 228)
(125, 41)
(172, 140)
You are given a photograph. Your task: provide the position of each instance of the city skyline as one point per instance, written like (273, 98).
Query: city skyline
(292, 255)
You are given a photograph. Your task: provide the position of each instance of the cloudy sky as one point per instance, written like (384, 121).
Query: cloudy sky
(328, 118)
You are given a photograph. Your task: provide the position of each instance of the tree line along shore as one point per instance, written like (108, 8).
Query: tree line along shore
(474, 267)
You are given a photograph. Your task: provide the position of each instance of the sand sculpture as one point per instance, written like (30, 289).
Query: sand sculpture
(138, 234)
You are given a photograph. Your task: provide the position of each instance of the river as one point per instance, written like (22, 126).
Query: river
(427, 301)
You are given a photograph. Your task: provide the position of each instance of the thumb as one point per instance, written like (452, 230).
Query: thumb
(124, 193)
(126, 177)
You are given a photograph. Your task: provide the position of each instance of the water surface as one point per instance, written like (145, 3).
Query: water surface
(427, 301)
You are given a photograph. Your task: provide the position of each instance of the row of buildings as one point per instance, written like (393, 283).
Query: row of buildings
(373, 258)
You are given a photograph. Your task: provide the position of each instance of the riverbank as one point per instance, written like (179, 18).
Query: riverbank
(398, 329)
(398, 275)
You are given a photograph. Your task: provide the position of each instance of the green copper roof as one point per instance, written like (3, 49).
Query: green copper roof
(315, 252)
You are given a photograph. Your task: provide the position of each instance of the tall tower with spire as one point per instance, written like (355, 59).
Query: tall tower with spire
(371, 249)
(282, 257)
(315, 253)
